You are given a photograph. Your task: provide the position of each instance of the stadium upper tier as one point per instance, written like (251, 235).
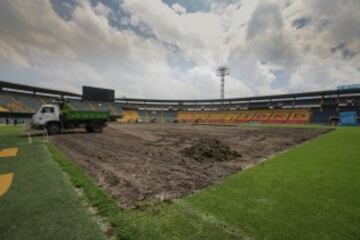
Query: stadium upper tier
(295, 100)
(23, 99)
(27, 104)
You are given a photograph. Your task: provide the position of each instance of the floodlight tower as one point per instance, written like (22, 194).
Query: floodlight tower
(222, 71)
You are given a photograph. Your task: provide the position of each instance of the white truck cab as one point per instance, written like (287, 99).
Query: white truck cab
(46, 113)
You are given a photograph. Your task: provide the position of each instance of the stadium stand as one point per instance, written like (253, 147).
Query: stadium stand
(185, 117)
(106, 106)
(117, 108)
(323, 107)
(8, 103)
(80, 105)
(320, 115)
(152, 116)
(102, 106)
(4, 102)
(170, 116)
(259, 105)
(295, 116)
(130, 116)
(30, 103)
(19, 101)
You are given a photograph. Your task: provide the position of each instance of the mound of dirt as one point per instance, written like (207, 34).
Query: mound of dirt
(210, 150)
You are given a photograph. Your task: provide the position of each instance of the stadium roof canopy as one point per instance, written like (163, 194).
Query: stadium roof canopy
(8, 86)
(244, 99)
(21, 87)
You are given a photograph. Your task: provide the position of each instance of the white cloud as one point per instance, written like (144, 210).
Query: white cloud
(255, 38)
(178, 8)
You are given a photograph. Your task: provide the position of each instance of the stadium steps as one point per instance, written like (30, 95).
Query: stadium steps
(30, 101)
(8, 104)
(41, 100)
(19, 103)
(112, 110)
(80, 105)
(92, 107)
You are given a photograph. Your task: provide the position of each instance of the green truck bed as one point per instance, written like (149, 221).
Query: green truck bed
(86, 115)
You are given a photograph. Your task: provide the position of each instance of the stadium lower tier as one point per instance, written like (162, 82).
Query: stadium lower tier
(299, 116)
(130, 116)
(21, 105)
(273, 116)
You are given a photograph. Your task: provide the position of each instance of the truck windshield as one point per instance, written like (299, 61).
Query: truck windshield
(47, 110)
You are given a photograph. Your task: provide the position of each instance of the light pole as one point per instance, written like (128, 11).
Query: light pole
(222, 71)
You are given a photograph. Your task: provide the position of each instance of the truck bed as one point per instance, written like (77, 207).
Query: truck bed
(86, 115)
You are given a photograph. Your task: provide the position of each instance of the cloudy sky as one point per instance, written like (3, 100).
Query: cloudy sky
(171, 48)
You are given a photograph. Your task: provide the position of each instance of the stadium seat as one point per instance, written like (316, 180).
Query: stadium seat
(169, 116)
(185, 117)
(261, 116)
(8, 103)
(80, 105)
(323, 115)
(278, 117)
(31, 103)
(299, 117)
(246, 116)
(130, 116)
(2, 109)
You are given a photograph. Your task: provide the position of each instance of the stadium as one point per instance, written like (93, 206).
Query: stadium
(179, 120)
(321, 107)
(262, 167)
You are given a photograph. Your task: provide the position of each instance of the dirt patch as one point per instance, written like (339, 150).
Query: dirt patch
(210, 150)
(165, 161)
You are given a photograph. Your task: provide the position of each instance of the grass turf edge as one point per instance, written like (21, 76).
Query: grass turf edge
(94, 196)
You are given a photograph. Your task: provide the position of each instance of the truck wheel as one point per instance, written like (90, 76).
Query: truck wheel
(88, 128)
(53, 128)
(97, 127)
(94, 127)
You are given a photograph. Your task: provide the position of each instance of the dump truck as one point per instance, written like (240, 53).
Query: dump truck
(59, 116)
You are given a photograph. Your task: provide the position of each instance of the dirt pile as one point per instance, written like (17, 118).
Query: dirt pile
(210, 150)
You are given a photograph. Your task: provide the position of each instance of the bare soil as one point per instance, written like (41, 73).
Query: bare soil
(141, 162)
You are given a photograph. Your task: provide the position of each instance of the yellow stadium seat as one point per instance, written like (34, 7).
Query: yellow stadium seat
(246, 116)
(2, 109)
(299, 117)
(130, 116)
(185, 117)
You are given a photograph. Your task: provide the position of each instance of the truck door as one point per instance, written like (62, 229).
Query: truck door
(48, 114)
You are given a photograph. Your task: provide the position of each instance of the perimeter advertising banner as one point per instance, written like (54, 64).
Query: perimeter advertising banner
(348, 118)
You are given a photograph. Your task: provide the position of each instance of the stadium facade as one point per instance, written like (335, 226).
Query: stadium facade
(21, 101)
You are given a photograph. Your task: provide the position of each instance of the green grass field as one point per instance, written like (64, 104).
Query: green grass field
(41, 202)
(310, 192)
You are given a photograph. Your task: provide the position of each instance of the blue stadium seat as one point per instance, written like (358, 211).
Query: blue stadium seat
(323, 116)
